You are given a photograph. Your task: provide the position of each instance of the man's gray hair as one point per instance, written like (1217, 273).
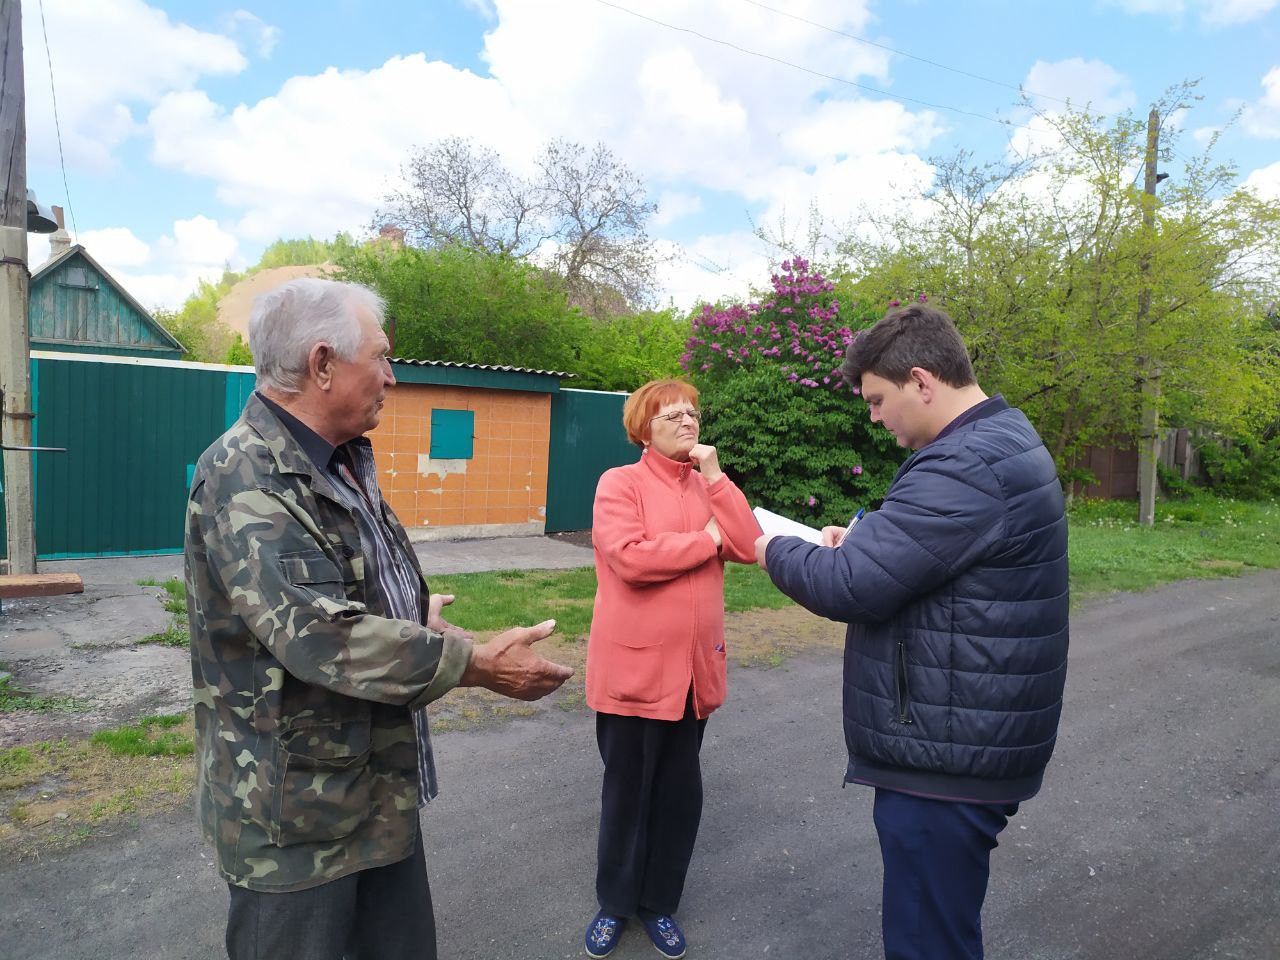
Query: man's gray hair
(291, 319)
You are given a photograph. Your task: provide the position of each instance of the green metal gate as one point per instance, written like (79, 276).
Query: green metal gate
(587, 439)
(133, 430)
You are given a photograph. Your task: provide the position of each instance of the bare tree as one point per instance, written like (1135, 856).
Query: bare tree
(459, 192)
(582, 215)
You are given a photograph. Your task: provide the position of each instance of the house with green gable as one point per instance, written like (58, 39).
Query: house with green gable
(78, 307)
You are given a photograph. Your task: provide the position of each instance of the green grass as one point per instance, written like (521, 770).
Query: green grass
(174, 635)
(11, 699)
(14, 760)
(494, 601)
(1200, 537)
(149, 737)
(174, 600)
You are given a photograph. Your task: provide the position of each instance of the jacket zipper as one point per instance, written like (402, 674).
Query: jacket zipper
(693, 603)
(904, 694)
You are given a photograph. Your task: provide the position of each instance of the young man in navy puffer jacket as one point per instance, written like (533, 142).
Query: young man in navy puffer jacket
(955, 593)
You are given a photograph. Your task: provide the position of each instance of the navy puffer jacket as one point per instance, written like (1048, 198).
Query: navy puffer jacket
(955, 592)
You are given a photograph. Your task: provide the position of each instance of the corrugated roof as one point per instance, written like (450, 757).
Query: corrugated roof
(479, 366)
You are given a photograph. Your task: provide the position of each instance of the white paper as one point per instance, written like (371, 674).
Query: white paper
(775, 525)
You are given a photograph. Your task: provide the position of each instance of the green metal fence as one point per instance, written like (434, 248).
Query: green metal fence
(134, 427)
(133, 430)
(587, 439)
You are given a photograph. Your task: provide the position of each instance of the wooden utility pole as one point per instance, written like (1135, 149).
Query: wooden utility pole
(15, 347)
(1148, 366)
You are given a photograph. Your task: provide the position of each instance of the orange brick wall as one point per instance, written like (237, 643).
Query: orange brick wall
(505, 482)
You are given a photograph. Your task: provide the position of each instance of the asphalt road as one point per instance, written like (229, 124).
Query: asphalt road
(1155, 838)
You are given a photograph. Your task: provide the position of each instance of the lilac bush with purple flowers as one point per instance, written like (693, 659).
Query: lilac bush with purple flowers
(796, 330)
(793, 434)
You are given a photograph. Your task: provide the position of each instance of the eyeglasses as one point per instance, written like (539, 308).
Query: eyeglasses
(678, 415)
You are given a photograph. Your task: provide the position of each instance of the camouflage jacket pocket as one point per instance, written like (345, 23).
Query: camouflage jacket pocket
(324, 788)
(312, 570)
(318, 577)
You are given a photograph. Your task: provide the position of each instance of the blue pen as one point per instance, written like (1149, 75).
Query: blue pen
(852, 523)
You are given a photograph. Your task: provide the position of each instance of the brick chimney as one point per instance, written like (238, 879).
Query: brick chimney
(390, 233)
(59, 240)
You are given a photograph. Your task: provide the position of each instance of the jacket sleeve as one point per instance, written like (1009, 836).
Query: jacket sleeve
(939, 519)
(289, 593)
(738, 526)
(618, 531)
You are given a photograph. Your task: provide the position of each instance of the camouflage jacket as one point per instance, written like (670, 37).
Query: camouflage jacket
(305, 745)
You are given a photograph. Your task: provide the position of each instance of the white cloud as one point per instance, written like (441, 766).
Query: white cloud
(321, 153)
(201, 242)
(673, 205)
(1202, 135)
(672, 107)
(1265, 182)
(293, 168)
(1262, 119)
(1169, 8)
(37, 249)
(483, 7)
(677, 106)
(115, 247)
(714, 267)
(1099, 85)
(167, 290)
(1212, 13)
(1229, 12)
(162, 274)
(255, 32)
(98, 83)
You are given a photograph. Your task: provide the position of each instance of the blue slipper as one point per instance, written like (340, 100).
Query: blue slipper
(665, 934)
(603, 934)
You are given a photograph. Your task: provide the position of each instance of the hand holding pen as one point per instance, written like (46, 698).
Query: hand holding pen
(834, 536)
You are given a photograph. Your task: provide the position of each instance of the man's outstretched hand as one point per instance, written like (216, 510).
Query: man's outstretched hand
(508, 664)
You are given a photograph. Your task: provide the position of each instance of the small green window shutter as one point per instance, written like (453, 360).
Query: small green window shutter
(452, 432)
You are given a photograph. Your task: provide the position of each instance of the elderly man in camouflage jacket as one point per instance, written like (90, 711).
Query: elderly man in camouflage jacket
(315, 644)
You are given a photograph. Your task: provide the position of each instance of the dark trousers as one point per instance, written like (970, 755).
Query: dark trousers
(650, 807)
(383, 913)
(937, 860)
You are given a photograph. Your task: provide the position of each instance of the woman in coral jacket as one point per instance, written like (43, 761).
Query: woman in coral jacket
(662, 530)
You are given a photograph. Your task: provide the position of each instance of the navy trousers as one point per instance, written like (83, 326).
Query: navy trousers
(937, 860)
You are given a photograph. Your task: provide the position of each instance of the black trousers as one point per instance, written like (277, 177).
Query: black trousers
(650, 807)
(383, 913)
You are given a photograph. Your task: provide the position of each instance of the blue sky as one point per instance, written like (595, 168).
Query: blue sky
(196, 133)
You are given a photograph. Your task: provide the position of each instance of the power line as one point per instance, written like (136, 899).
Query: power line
(1009, 124)
(903, 53)
(56, 125)
(934, 63)
(817, 73)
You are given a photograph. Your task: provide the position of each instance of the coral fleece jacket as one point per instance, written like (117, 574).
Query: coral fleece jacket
(658, 625)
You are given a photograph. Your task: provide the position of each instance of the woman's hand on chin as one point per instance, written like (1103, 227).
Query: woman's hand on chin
(708, 461)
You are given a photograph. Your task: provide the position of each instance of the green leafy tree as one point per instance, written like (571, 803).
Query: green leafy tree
(463, 305)
(626, 350)
(303, 252)
(1044, 263)
(238, 354)
(196, 325)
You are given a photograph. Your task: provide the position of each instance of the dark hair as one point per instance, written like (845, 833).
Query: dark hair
(906, 337)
